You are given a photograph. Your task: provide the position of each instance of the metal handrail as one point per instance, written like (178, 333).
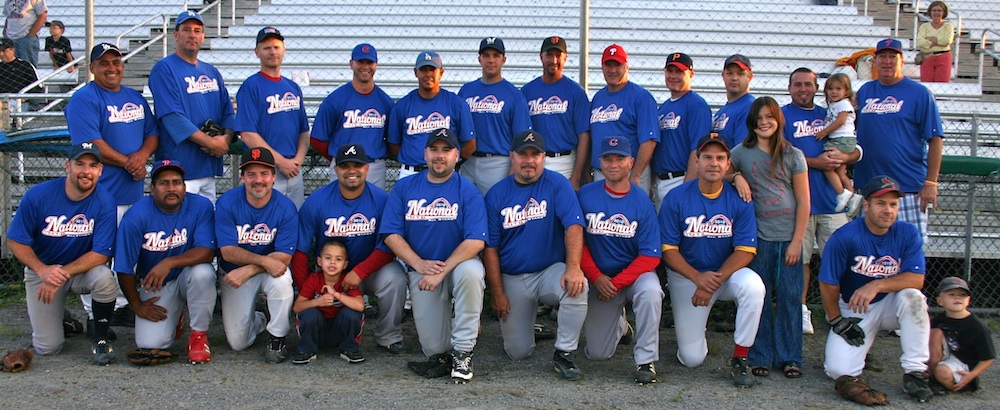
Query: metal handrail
(918, 17)
(983, 52)
(39, 81)
(118, 40)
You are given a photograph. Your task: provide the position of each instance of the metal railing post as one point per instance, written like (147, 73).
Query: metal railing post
(584, 42)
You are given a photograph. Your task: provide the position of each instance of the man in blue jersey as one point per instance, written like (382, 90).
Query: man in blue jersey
(900, 127)
(424, 111)
(871, 279)
(187, 93)
(498, 112)
(272, 115)
(163, 257)
(435, 222)
(350, 209)
(118, 121)
(709, 236)
(683, 119)
(355, 113)
(63, 234)
(256, 228)
(731, 120)
(560, 110)
(620, 253)
(623, 109)
(535, 209)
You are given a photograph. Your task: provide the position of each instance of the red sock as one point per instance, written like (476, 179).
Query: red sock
(741, 351)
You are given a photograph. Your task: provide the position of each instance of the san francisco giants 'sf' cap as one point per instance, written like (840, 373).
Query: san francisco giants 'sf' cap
(351, 153)
(260, 156)
(554, 42)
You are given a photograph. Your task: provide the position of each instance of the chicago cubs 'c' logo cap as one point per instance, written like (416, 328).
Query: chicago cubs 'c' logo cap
(889, 44)
(527, 138)
(881, 185)
(188, 15)
(616, 146)
(495, 43)
(713, 138)
(443, 134)
(614, 52)
(352, 153)
(428, 58)
(364, 51)
(84, 148)
(260, 156)
(554, 42)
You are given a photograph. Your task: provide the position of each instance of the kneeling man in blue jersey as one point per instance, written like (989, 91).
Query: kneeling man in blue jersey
(534, 251)
(163, 257)
(435, 222)
(709, 236)
(63, 233)
(256, 227)
(619, 254)
(871, 279)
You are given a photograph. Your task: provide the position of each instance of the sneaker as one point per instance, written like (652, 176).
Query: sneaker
(303, 358)
(112, 336)
(395, 348)
(742, 377)
(645, 374)
(461, 367)
(543, 332)
(197, 348)
(842, 199)
(564, 365)
(276, 352)
(629, 336)
(353, 357)
(103, 352)
(807, 321)
(71, 326)
(854, 205)
(915, 384)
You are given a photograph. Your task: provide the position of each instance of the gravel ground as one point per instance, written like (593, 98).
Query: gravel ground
(243, 380)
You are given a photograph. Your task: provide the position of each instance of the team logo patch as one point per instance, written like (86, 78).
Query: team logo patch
(553, 105)
(515, 216)
(806, 128)
(670, 121)
(420, 125)
(160, 242)
(369, 119)
(281, 103)
(889, 105)
(720, 122)
(437, 210)
(62, 226)
(350, 226)
(130, 112)
(366, 49)
(718, 226)
(488, 104)
(872, 267)
(601, 114)
(616, 225)
(256, 235)
(201, 85)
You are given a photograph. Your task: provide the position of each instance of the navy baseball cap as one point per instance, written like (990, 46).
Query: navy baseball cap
(712, 138)
(428, 58)
(554, 42)
(889, 44)
(738, 59)
(953, 282)
(104, 48)
(82, 149)
(6, 43)
(268, 32)
(880, 185)
(163, 165)
(352, 153)
(364, 51)
(495, 43)
(260, 156)
(679, 60)
(443, 134)
(616, 145)
(56, 23)
(527, 138)
(188, 15)
(614, 52)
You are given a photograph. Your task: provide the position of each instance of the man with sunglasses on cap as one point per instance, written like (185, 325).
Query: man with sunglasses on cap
(731, 120)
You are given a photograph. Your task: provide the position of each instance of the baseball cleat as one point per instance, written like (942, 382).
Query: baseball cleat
(645, 374)
(352, 357)
(564, 365)
(915, 384)
(303, 358)
(103, 352)
(742, 377)
(197, 348)
(394, 348)
(276, 352)
(461, 367)
(71, 326)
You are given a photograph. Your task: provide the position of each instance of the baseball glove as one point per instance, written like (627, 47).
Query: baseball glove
(857, 390)
(212, 128)
(149, 357)
(17, 361)
(438, 365)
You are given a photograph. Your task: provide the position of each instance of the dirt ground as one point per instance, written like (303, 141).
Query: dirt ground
(242, 380)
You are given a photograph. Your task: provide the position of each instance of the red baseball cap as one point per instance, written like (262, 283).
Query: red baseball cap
(615, 52)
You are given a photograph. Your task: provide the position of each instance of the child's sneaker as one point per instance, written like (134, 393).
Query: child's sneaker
(303, 358)
(352, 357)
(842, 199)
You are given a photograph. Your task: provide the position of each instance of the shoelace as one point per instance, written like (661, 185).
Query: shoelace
(464, 364)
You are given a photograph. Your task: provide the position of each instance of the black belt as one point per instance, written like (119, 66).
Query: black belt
(478, 154)
(416, 168)
(941, 52)
(670, 175)
(558, 154)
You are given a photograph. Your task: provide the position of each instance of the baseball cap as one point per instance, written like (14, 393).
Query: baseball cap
(56, 23)
(260, 156)
(6, 43)
(104, 48)
(163, 165)
(428, 58)
(679, 60)
(712, 138)
(889, 44)
(84, 148)
(443, 134)
(953, 282)
(615, 52)
(352, 153)
(555, 42)
(616, 145)
(880, 185)
(266, 32)
(364, 51)
(738, 59)
(495, 43)
(188, 15)
(526, 139)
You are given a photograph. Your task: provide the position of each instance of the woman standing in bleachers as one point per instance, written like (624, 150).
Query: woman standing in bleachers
(934, 41)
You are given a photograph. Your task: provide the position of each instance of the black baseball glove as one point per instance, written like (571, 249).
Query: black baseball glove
(848, 328)
(212, 128)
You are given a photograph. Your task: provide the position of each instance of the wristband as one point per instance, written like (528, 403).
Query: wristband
(929, 182)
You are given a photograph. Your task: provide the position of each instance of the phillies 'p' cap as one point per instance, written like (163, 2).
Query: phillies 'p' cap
(554, 42)
(679, 60)
(352, 153)
(163, 165)
(364, 51)
(712, 138)
(495, 43)
(616, 145)
(738, 59)
(268, 32)
(527, 138)
(953, 282)
(615, 52)
(188, 15)
(889, 44)
(881, 185)
(443, 134)
(260, 156)
(428, 58)
(82, 149)
(104, 48)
